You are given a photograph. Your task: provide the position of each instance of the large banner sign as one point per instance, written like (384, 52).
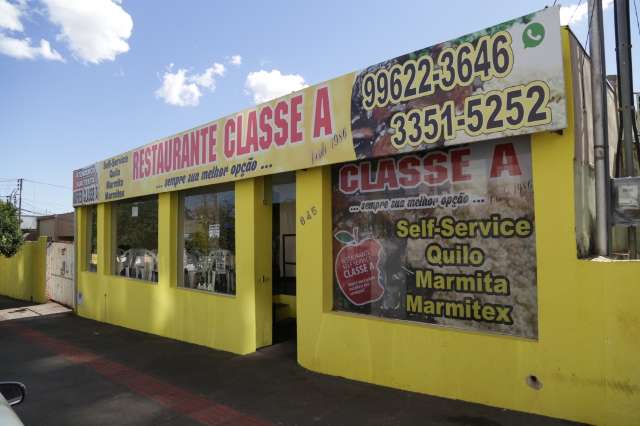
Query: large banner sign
(443, 237)
(502, 81)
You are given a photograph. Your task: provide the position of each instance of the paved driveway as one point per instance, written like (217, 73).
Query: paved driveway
(81, 372)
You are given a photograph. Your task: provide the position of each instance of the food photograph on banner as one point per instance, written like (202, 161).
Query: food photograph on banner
(501, 81)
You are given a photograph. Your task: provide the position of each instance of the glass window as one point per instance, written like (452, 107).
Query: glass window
(208, 240)
(92, 238)
(136, 238)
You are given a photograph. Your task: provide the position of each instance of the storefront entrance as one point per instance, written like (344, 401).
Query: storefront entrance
(284, 256)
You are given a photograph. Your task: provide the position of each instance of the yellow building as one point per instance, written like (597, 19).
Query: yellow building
(449, 264)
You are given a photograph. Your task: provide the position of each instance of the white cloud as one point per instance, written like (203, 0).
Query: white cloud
(575, 13)
(206, 79)
(10, 16)
(236, 60)
(268, 85)
(218, 69)
(181, 89)
(176, 90)
(95, 31)
(22, 49)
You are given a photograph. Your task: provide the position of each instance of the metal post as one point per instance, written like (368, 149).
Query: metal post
(600, 142)
(623, 51)
(20, 203)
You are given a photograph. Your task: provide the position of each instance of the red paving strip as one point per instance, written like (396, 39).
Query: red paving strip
(196, 407)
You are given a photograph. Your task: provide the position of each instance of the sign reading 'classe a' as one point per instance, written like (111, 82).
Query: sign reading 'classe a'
(445, 238)
(267, 127)
(502, 81)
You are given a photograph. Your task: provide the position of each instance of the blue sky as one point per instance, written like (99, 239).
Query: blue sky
(114, 75)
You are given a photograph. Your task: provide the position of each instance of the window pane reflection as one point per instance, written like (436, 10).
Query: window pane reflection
(92, 246)
(136, 238)
(208, 227)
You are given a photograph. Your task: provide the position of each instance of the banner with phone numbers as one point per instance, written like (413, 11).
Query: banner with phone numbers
(505, 80)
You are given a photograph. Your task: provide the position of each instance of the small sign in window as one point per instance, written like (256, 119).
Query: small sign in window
(214, 230)
(628, 196)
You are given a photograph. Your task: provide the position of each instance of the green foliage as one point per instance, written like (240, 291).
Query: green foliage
(139, 231)
(10, 232)
(344, 237)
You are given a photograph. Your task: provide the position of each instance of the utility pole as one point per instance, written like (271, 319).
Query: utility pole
(625, 96)
(20, 202)
(600, 142)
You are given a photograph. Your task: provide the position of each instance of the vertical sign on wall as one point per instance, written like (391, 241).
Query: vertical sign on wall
(86, 183)
(444, 237)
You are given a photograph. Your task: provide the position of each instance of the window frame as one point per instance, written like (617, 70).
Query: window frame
(217, 188)
(89, 237)
(114, 238)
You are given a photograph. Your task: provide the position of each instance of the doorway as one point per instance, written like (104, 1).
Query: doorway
(283, 240)
(59, 279)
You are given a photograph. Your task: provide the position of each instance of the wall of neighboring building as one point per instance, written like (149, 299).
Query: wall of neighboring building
(59, 227)
(23, 275)
(65, 223)
(587, 351)
(584, 166)
(47, 227)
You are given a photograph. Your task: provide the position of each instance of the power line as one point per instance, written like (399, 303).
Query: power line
(36, 181)
(574, 11)
(586, 41)
(35, 207)
(49, 184)
(635, 8)
(32, 201)
(37, 213)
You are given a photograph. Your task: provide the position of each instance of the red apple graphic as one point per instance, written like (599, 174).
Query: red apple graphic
(358, 268)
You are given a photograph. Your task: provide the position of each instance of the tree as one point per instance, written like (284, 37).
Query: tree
(10, 232)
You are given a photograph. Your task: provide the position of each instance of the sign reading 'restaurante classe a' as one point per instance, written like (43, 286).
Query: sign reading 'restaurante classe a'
(502, 81)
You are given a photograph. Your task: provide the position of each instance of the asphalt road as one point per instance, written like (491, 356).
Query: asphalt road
(81, 372)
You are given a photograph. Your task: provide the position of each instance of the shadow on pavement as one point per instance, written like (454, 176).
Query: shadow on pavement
(80, 371)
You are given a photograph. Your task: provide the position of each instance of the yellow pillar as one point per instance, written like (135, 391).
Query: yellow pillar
(253, 253)
(313, 256)
(104, 241)
(81, 239)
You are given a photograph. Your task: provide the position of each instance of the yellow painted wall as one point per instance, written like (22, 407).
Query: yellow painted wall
(218, 321)
(588, 352)
(23, 275)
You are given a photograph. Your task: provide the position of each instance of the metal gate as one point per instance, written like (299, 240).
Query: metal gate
(59, 279)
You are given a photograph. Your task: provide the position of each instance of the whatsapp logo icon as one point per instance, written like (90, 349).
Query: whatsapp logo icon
(533, 35)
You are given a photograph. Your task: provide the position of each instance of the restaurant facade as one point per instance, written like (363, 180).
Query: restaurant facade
(421, 224)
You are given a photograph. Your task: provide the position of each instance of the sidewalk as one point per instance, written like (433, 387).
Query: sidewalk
(12, 309)
(79, 371)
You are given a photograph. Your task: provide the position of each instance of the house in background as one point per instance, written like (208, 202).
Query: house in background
(57, 227)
